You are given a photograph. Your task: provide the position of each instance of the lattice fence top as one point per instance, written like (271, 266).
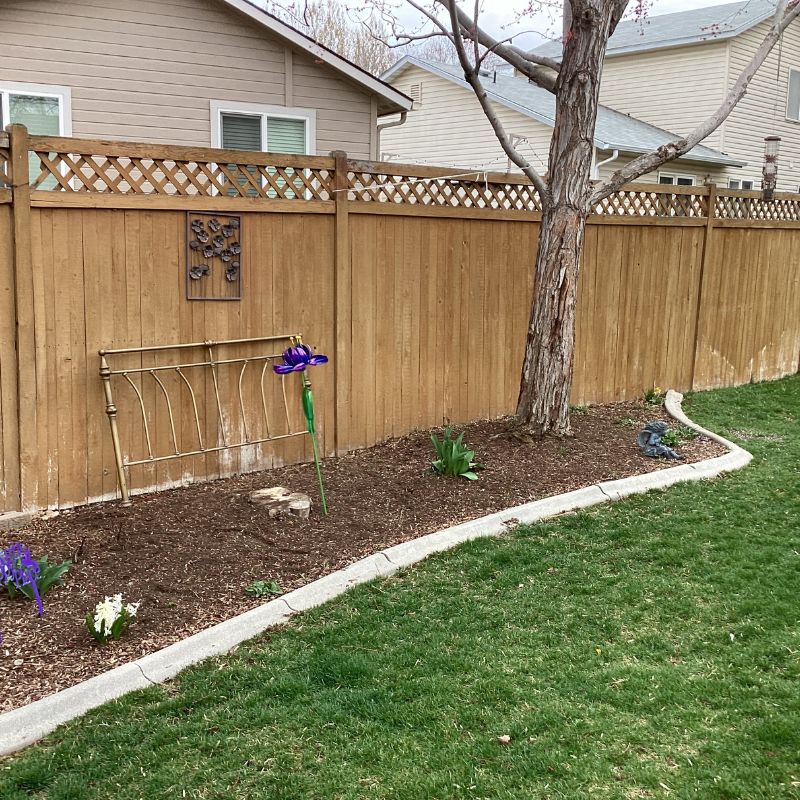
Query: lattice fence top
(741, 206)
(73, 165)
(127, 168)
(654, 203)
(461, 190)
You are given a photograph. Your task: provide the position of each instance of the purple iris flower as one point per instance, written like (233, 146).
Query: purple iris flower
(19, 568)
(297, 358)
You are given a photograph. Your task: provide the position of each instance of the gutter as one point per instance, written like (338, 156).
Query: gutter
(596, 168)
(379, 128)
(690, 156)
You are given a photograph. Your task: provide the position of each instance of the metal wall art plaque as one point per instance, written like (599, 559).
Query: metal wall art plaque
(213, 256)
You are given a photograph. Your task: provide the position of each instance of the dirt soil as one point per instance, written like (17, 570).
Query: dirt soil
(187, 554)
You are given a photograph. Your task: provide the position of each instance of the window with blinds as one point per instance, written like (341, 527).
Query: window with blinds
(246, 132)
(286, 136)
(241, 132)
(40, 115)
(793, 96)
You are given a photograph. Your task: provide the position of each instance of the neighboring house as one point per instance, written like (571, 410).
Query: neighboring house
(447, 126)
(220, 73)
(673, 70)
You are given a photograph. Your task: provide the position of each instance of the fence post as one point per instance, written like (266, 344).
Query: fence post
(9, 385)
(708, 243)
(25, 330)
(342, 306)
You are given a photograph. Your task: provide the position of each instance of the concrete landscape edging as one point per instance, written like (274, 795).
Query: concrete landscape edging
(25, 726)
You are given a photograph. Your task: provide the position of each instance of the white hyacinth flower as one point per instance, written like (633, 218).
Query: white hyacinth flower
(108, 611)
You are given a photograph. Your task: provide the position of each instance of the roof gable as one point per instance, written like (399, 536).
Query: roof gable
(390, 100)
(613, 130)
(698, 25)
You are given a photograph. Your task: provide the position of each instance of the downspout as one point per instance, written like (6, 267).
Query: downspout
(596, 168)
(379, 128)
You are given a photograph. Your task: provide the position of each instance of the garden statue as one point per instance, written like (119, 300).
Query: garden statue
(650, 441)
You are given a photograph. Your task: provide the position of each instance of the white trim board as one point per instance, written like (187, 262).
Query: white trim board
(308, 115)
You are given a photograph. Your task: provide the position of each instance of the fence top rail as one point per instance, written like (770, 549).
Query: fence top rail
(185, 345)
(172, 152)
(73, 167)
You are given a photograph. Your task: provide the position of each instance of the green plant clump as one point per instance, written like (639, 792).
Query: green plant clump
(50, 575)
(675, 436)
(654, 396)
(453, 457)
(263, 589)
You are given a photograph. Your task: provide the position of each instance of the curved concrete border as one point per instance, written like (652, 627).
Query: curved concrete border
(26, 725)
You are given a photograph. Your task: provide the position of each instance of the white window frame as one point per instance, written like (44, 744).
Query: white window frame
(788, 83)
(219, 107)
(740, 181)
(309, 115)
(62, 93)
(675, 176)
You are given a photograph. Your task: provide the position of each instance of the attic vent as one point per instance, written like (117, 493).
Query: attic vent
(415, 93)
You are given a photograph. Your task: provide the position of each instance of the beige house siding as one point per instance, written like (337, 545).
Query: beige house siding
(147, 71)
(762, 111)
(448, 127)
(672, 89)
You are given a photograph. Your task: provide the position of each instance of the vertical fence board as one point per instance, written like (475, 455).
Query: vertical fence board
(9, 409)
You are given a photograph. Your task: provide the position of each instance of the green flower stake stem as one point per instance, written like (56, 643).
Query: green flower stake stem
(296, 359)
(308, 410)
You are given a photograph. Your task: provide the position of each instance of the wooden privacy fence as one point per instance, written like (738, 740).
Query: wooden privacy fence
(416, 281)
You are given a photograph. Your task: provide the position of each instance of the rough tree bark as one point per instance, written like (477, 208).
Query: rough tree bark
(546, 379)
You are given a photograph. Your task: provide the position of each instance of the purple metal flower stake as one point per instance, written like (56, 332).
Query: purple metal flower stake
(18, 568)
(295, 359)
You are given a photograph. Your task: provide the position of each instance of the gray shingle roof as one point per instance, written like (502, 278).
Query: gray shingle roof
(613, 131)
(712, 23)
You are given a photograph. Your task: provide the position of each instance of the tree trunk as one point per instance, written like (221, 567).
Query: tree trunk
(543, 405)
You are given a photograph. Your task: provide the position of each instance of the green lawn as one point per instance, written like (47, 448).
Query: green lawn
(646, 649)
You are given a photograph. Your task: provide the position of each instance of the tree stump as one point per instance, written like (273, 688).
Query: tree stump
(278, 501)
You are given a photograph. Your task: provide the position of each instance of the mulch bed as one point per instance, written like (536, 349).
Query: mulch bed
(188, 554)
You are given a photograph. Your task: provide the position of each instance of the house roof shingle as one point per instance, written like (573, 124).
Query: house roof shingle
(711, 23)
(613, 131)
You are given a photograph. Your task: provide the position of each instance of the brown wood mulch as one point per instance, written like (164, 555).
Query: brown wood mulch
(187, 554)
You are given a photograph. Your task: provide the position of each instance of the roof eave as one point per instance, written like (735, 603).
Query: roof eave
(671, 44)
(637, 151)
(390, 101)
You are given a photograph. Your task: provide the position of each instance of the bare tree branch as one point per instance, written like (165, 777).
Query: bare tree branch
(786, 12)
(472, 75)
(540, 69)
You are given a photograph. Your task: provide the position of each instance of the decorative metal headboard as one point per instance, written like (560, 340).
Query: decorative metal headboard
(210, 364)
